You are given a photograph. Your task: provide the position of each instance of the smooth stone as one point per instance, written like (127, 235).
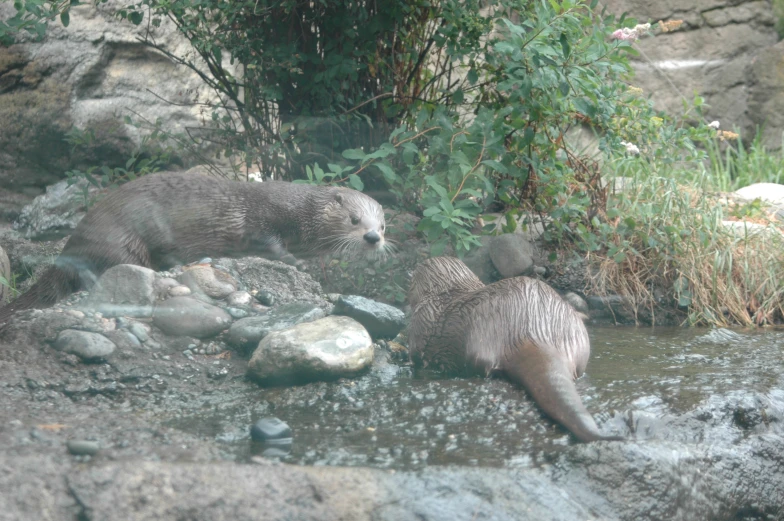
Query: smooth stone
(84, 344)
(186, 316)
(239, 298)
(246, 333)
(381, 320)
(325, 349)
(270, 428)
(206, 279)
(83, 447)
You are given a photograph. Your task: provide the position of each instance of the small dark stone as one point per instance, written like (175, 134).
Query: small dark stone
(265, 298)
(270, 429)
(83, 447)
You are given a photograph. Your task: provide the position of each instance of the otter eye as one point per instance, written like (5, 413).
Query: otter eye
(354, 220)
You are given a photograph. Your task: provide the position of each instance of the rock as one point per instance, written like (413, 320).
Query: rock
(179, 291)
(271, 428)
(209, 281)
(284, 283)
(512, 254)
(83, 447)
(88, 75)
(140, 331)
(246, 333)
(239, 298)
(186, 316)
(125, 289)
(577, 302)
(5, 277)
(265, 298)
(90, 347)
(381, 320)
(123, 340)
(745, 229)
(328, 348)
(770, 193)
(57, 212)
(478, 260)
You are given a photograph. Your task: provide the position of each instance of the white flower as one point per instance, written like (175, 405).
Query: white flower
(714, 125)
(630, 147)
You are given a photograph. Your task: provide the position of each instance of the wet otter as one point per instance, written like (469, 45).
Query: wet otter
(163, 219)
(519, 327)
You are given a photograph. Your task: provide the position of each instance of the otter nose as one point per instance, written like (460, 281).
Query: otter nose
(372, 237)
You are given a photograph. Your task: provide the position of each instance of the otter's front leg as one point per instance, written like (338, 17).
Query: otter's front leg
(279, 252)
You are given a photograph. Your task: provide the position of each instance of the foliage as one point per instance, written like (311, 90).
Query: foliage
(669, 245)
(33, 16)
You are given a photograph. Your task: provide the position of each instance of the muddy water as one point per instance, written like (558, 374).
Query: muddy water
(640, 383)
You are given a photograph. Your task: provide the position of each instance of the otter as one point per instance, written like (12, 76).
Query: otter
(518, 327)
(160, 220)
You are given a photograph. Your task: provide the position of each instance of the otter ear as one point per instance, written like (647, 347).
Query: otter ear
(339, 198)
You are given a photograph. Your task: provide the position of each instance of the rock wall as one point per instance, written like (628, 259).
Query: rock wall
(96, 71)
(726, 50)
(88, 75)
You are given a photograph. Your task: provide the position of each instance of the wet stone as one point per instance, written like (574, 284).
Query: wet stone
(139, 331)
(185, 316)
(246, 333)
(209, 281)
(326, 349)
(239, 298)
(270, 429)
(83, 447)
(266, 298)
(88, 346)
(381, 320)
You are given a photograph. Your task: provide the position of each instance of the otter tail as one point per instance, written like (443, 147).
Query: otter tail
(56, 283)
(546, 377)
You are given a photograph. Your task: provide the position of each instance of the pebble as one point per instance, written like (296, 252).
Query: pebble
(139, 331)
(270, 428)
(83, 447)
(179, 291)
(265, 297)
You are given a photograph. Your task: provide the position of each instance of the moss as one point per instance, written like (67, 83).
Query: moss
(778, 12)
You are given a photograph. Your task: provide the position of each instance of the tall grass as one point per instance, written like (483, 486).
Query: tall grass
(670, 242)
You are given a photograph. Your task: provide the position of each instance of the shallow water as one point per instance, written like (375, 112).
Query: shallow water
(640, 382)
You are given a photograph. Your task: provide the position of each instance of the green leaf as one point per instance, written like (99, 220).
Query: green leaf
(386, 170)
(355, 182)
(565, 48)
(65, 18)
(472, 76)
(354, 153)
(136, 17)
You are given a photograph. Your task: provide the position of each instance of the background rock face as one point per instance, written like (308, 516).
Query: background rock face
(723, 51)
(95, 71)
(88, 75)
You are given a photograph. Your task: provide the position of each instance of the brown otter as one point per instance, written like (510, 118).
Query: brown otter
(163, 219)
(519, 327)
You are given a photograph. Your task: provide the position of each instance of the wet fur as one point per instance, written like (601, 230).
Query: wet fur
(518, 327)
(175, 218)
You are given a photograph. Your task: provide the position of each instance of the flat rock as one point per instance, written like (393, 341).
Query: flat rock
(186, 316)
(246, 333)
(381, 320)
(124, 290)
(84, 344)
(328, 348)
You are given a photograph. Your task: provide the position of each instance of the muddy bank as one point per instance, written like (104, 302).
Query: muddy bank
(703, 414)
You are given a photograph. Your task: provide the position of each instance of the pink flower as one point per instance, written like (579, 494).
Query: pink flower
(630, 34)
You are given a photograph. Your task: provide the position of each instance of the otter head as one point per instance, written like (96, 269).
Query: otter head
(441, 275)
(353, 223)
